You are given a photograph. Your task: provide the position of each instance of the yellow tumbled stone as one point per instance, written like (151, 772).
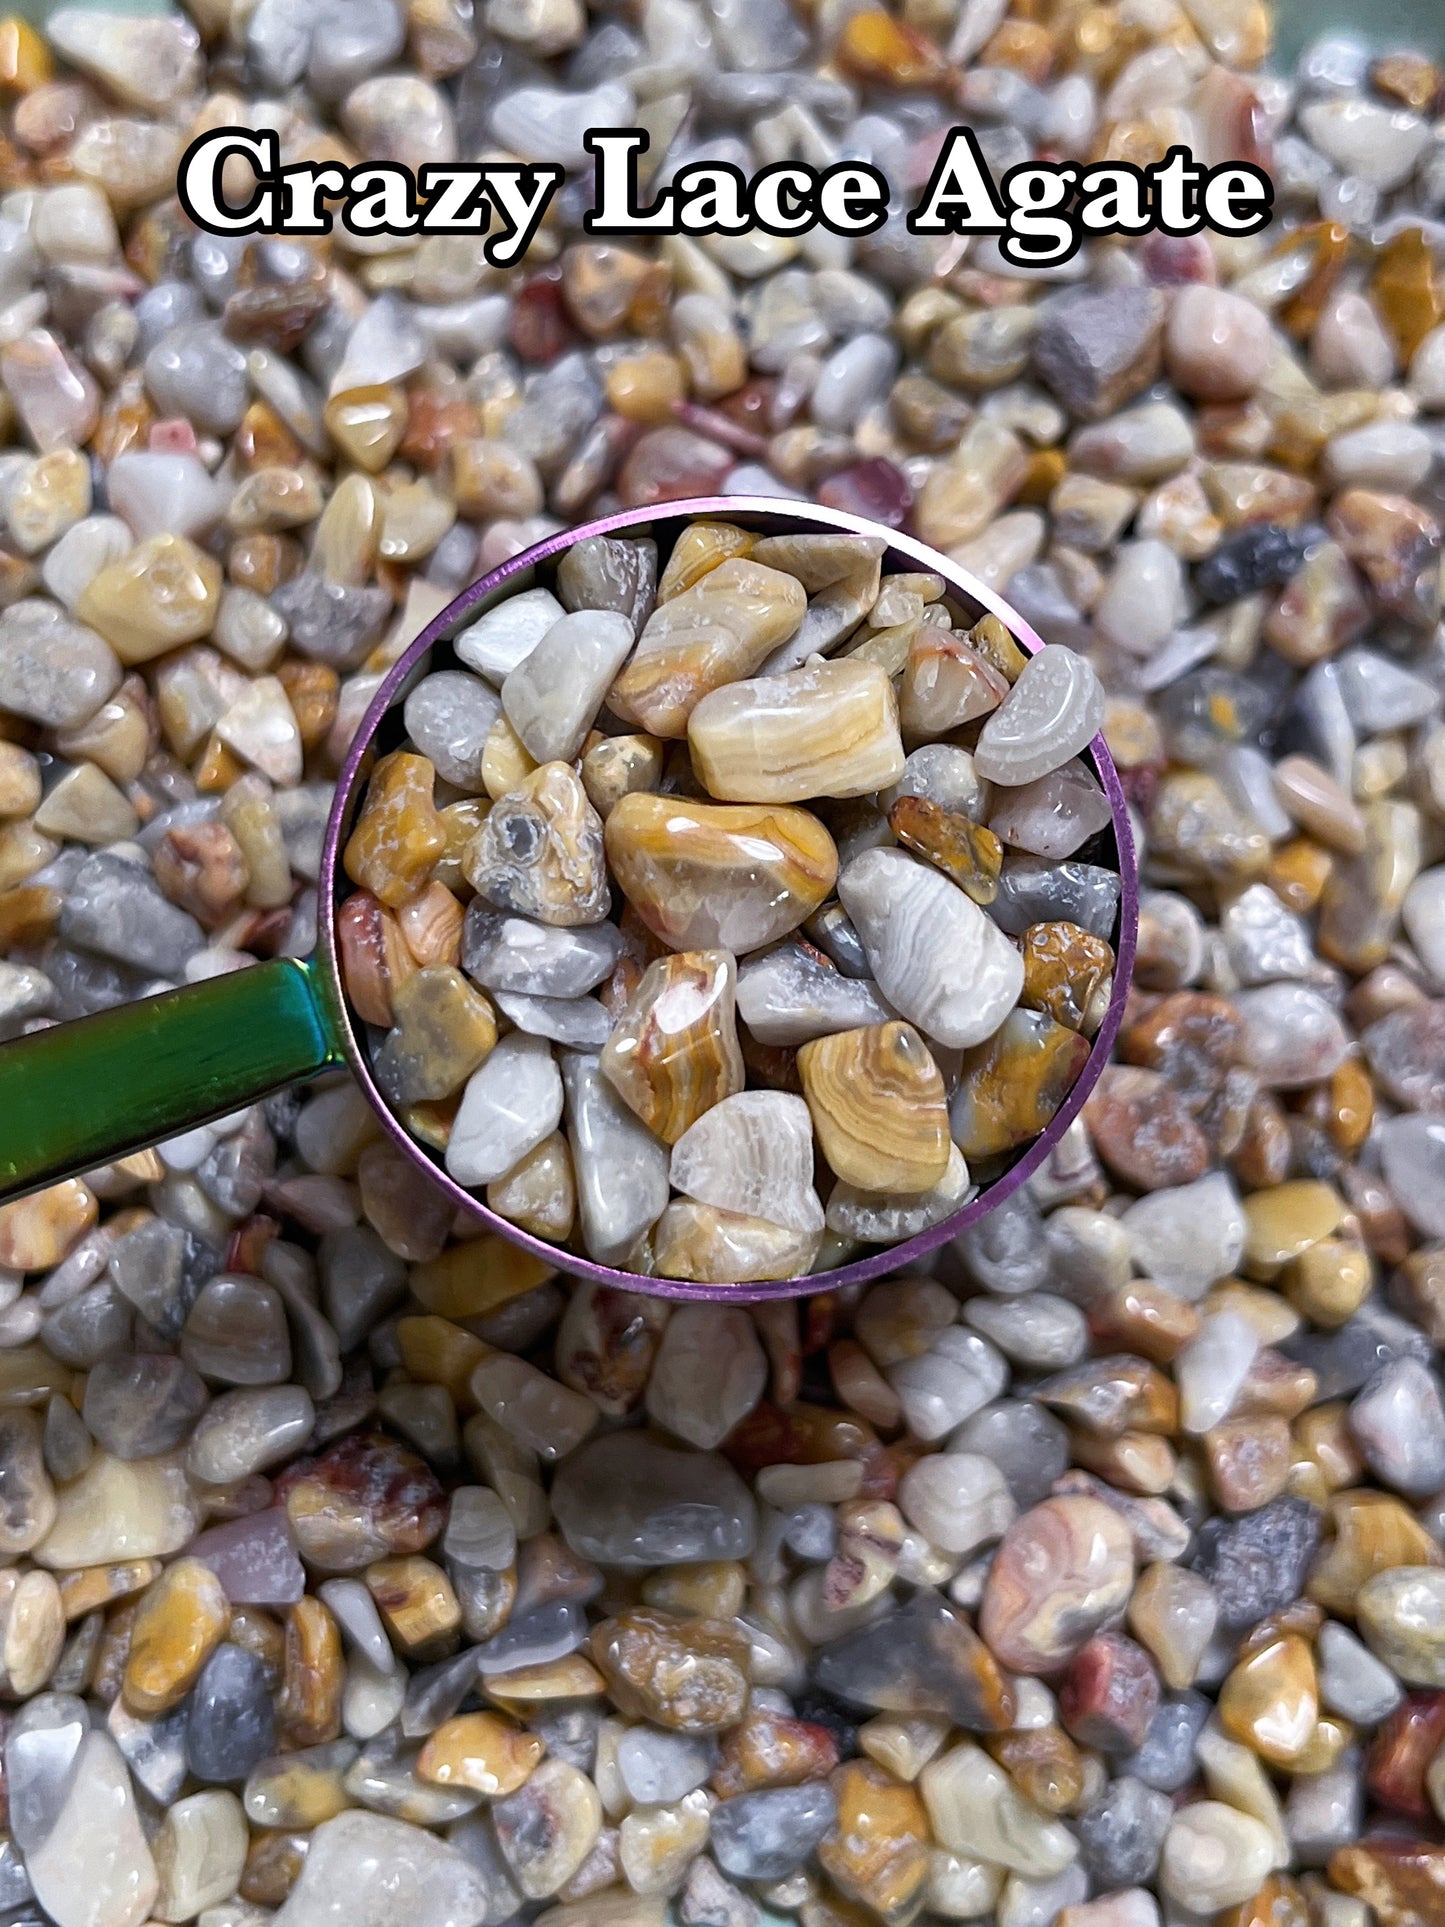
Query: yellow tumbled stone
(20, 787)
(877, 1852)
(705, 1244)
(86, 807)
(712, 634)
(828, 729)
(674, 1051)
(23, 849)
(178, 1625)
(505, 762)
(474, 1279)
(969, 853)
(299, 1790)
(28, 1373)
(1285, 1220)
(367, 423)
(1270, 1702)
(710, 876)
(1326, 1459)
(437, 1352)
(398, 837)
(701, 548)
(25, 62)
(417, 1602)
(315, 1673)
(50, 495)
(643, 387)
(573, 1677)
(36, 1232)
(1329, 1282)
(1065, 967)
(34, 1635)
(616, 766)
(460, 822)
(877, 1102)
(162, 593)
(1328, 1741)
(484, 1751)
(540, 1194)
(94, 1587)
(712, 1589)
(444, 1028)
(1010, 1086)
(1373, 1533)
(879, 50)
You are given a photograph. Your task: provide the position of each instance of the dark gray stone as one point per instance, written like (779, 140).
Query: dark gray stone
(1096, 349)
(924, 1658)
(1122, 1833)
(231, 1726)
(1257, 1563)
(1032, 889)
(1027, 1444)
(330, 621)
(113, 908)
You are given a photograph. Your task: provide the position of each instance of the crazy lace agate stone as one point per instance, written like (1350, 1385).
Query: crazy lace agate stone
(717, 631)
(652, 824)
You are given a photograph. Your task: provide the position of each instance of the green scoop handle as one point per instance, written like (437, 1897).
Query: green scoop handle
(86, 1092)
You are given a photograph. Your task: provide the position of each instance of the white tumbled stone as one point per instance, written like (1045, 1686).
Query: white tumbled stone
(959, 1501)
(502, 639)
(753, 1154)
(1212, 1368)
(368, 1870)
(551, 697)
(936, 957)
(621, 1168)
(1054, 710)
(509, 1105)
(709, 1373)
(94, 1868)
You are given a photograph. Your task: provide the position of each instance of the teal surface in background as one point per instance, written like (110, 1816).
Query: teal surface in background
(1385, 25)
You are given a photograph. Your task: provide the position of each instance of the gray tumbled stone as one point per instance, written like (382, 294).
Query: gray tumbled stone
(1122, 1833)
(113, 907)
(762, 1836)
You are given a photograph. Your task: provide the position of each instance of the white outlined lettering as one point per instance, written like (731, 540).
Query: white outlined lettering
(1043, 211)
(302, 187)
(1234, 186)
(853, 199)
(521, 196)
(381, 199)
(960, 197)
(198, 181)
(615, 208)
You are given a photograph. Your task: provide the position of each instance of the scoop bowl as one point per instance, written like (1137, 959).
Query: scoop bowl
(382, 729)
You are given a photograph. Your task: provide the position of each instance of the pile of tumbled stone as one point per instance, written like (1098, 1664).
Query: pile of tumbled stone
(916, 1039)
(362, 1569)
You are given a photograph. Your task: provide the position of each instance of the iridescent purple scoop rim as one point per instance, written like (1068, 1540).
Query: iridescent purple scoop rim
(784, 517)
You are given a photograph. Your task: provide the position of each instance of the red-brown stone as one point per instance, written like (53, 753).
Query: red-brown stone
(1110, 1694)
(1401, 1752)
